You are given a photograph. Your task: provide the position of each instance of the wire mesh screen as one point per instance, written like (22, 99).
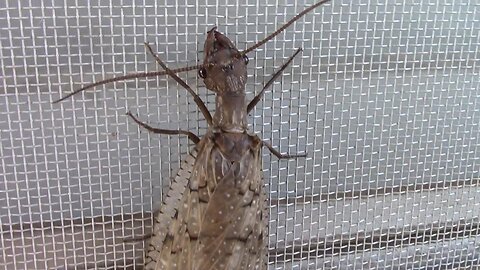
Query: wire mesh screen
(384, 99)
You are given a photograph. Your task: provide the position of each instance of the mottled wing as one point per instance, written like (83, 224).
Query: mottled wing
(221, 222)
(169, 209)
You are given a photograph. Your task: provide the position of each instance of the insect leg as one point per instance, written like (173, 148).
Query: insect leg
(138, 238)
(172, 74)
(257, 98)
(194, 138)
(280, 155)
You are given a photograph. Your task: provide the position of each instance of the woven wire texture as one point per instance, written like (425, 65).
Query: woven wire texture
(384, 98)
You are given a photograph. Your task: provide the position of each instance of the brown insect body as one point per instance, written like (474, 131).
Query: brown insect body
(222, 217)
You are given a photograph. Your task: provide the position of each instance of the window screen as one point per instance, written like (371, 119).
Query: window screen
(384, 99)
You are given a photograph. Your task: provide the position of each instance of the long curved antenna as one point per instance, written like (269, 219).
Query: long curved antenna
(127, 77)
(298, 16)
(183, 69)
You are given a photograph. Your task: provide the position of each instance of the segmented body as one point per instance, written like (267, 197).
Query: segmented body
(221, 219)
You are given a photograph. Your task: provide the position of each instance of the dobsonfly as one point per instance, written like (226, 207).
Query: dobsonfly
(215, 213)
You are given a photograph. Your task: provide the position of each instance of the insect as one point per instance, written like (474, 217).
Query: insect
(215, 213)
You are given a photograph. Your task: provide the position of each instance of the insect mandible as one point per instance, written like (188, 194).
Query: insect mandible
(215, 213)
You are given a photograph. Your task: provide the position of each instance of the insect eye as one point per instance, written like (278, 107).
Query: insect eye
(227, 67)
(245, 59)
(202, 73)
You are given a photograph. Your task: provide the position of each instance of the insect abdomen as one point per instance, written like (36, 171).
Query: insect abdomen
(221, 223)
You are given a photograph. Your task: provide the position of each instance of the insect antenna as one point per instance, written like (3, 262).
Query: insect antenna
(298, 16)
(183, 69)
(125, 78)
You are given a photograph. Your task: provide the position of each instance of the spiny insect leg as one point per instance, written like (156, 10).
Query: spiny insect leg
(280, 155)
(140, 238)
(257, 98)
(172, 74)
(194, 138)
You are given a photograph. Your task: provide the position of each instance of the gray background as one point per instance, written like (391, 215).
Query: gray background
(384, 98)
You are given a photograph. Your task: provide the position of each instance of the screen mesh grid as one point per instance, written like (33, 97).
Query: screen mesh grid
(384, 99)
